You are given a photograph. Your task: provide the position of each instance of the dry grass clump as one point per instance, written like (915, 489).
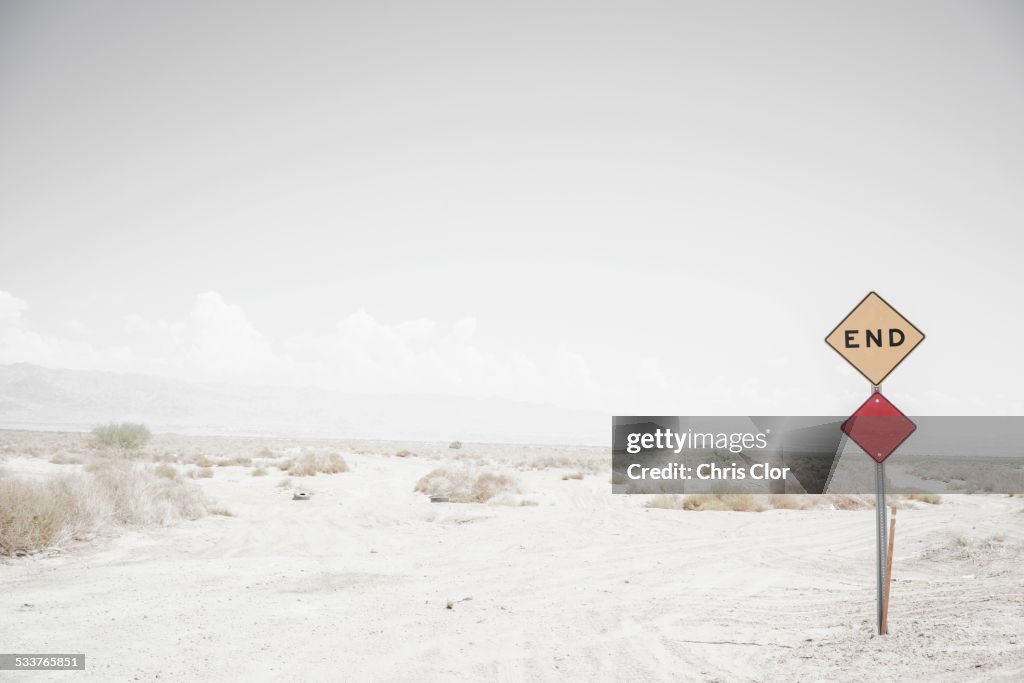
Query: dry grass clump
(404, 453)
(265, 453)
(259, 472)
(166, 471)
(983, 477)
(201, 473)
(311, 464)
(67, 459)
(241, 462)
(977, 550)
(464, 485)
(572, 475)
(590, 465)
(35, 515)
(736, 502)
(930, 498)
(739, 502)
(199, 461)
(222, 512)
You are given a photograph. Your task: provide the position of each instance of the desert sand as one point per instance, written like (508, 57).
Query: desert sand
(370, 581)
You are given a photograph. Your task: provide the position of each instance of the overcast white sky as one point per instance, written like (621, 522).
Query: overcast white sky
(643, 208)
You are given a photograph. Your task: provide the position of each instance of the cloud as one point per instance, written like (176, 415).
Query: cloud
(225, 344)
(423, 356)
(11, 307)
(20, 343)
(217, 341)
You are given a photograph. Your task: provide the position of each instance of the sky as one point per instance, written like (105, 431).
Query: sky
(638, 208)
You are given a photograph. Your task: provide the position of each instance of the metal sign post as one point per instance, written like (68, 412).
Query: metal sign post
(880, 534)
(874, 338)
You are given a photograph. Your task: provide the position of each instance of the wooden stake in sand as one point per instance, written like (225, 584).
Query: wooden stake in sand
(888, 573)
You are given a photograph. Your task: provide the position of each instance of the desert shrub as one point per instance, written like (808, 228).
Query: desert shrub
(259, 472)
(311, 464)
(488, 485)
(265, 453)
(201, 473)
(544, 462)
(228, 462)
(222, 512)
(32, 515)
(464, 485)
(455, 444)
(578, 463)
(572, 475)
(200, 461)
(737, 502)
(35, 515)
(404, 453)
(929, 498)
(166, 471)
(138, 497)
(125, 436)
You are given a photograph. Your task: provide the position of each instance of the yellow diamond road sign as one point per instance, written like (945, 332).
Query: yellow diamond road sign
(874, 338)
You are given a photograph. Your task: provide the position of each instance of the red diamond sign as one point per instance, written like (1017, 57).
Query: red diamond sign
(878, 427)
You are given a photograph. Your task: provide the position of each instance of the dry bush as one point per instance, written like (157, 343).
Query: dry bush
(550, 461)
(166, 471)
(983, 477)
(488, 485)
(850, 501)
(465, 486)
(930, 498)
(265, 453)
(284, 465)
(977, 550)
(201, 473)
(737, 502)
(222, 512)
(572, 475)
(199, 461)
(138, 497)
(124, 436)
(591, 465)
(241, 462)
(259, 472)
(311, 464)
(404, 453)
(67, 459)
(782, 501)
(35, 515)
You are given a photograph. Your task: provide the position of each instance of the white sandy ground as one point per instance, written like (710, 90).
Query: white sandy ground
(352, 585)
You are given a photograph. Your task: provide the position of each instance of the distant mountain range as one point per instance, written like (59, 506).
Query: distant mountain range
(34, 397)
